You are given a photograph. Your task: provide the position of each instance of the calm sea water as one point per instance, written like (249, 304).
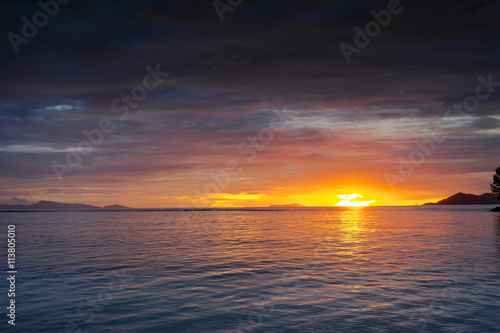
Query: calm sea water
(378, 269)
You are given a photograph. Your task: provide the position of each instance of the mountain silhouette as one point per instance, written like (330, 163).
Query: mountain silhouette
(289, 205)
(468, 199)
(56, 205)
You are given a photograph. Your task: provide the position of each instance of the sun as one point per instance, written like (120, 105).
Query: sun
(346, 201)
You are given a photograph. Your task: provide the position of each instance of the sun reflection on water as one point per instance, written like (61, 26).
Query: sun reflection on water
(352, 225)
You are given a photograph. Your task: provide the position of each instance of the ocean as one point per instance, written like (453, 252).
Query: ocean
(374, 269)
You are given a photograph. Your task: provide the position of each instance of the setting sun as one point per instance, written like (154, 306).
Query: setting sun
(346, 201)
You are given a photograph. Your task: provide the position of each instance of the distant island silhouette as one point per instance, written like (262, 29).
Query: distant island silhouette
(468, 199)
(289, 205)
(116, 207)
(58, 205)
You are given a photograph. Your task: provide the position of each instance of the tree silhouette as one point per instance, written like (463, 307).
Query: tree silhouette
(495, 186)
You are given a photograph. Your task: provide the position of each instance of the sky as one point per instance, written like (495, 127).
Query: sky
(163, 104)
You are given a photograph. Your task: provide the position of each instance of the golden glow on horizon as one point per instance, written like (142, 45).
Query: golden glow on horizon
(233, 200)
(324, 194)
(346, 201)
